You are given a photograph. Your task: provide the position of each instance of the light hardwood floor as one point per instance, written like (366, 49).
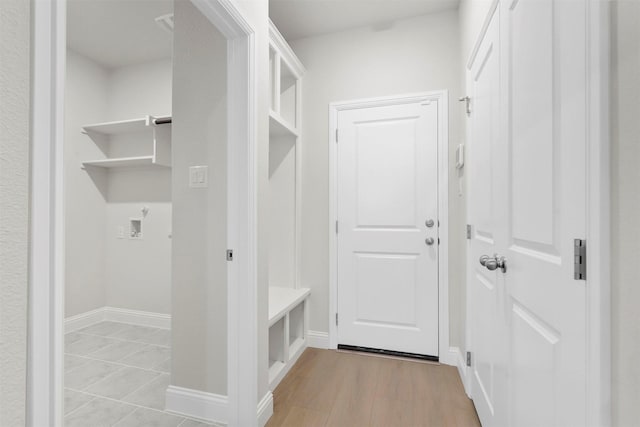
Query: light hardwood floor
(330, 388)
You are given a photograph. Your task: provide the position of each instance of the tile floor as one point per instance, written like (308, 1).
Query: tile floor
(116, 375)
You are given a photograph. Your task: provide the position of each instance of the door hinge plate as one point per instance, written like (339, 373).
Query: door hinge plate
(468, 358)
(336, 227)
(229, 254)
(336, 135)
(336, 319)
(580, 259)
(468, 231)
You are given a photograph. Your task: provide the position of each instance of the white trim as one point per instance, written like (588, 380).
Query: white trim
(82, 320)
(121, 315)
(483, 30)
(265, 409)
(46, 258)
(443, 207)
(456, 355)
(197, 404)
(317, 339)
(598, 351)
(46, 284)
(137, 317)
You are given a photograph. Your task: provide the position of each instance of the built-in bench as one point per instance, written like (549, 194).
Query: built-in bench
(287, 330)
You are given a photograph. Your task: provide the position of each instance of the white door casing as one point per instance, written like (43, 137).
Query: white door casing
(387, 191)
(536, 373)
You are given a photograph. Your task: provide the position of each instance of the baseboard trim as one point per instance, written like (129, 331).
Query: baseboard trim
(136, 317)
(197, 404)
(82, 320)
(317, 339)
(456, 355)
(265, 409)
(122, 315)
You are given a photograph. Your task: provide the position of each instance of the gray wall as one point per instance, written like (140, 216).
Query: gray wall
(14, 206)
(199, 291)
(412, 55)
(625, 211)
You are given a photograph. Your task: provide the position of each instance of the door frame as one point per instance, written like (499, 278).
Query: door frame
(445, 353)
(598, 224)
(45, 366)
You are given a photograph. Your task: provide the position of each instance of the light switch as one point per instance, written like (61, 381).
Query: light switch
(198, 176)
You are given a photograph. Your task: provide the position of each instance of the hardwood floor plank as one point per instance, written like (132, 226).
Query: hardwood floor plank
(335, 389)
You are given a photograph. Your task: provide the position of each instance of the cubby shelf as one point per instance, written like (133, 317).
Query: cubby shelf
(279, 127)
(287, 329)
(122, 162)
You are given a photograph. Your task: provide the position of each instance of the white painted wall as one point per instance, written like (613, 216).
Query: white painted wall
(101, 269)
(412, 55)
(625, 198)
(86, 100)
(199, 318)
(15, 49)
(138, 272)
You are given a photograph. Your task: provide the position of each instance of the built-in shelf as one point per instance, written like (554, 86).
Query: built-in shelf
(279, 127)
(287, 330)
(282, 300)
(120, 127)
(123, 162)
(155, 146)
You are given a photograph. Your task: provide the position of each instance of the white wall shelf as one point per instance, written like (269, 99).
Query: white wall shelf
(125, 146)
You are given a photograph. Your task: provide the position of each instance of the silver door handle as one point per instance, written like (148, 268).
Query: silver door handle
(494, 262)
(429, 241)
(429, 223)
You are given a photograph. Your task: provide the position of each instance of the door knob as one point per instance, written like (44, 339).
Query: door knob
(429, 241)
(494, 262)
(429, 223)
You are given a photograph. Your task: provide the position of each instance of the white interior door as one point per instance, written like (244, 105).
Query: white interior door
(486, 292)
(388, 228)
(536, 374)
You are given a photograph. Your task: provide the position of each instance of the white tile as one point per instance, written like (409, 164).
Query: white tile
(148, 357)
(150, 418)
(152, 395)
(118, 350)
(104, 328)
(91, 372)
(163, 366)
(72, 362)
(74, 399)
(122, 383)
(98, 413)
(160, 337)
(87, 344)
(134, 333)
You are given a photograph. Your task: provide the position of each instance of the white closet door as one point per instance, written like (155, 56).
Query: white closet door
(527, 204)
(387, 254)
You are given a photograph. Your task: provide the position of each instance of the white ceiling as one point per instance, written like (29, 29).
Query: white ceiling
(115, 33)
(305, 18)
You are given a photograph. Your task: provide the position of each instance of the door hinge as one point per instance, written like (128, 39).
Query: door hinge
(229, 254)
(336, 227)
(336, 319)
(336, 135)
(580, 259)
(468, 358)
(468, 231)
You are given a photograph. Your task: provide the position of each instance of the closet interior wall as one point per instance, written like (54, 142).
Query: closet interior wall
(103, 267)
